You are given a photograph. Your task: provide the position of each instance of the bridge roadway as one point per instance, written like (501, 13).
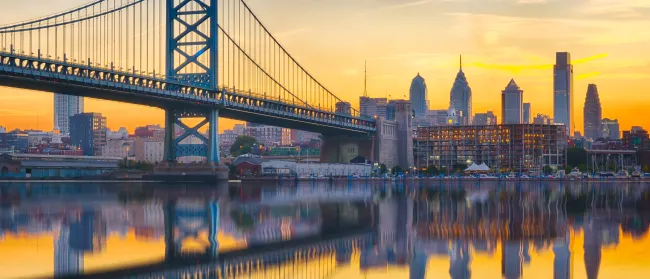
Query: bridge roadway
(37, 73)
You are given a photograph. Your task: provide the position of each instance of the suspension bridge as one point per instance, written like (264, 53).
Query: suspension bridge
(192, 58)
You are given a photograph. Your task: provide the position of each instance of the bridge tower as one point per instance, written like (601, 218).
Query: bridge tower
(191, 57)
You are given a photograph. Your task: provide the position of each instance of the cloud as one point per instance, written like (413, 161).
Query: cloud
(587, 75)
(532, 1)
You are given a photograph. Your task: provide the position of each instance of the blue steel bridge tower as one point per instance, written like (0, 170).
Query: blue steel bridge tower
(192, 54)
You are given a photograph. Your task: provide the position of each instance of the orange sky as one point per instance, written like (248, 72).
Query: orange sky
(499, 40)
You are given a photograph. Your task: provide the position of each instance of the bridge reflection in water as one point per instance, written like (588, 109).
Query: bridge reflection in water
(275, 232)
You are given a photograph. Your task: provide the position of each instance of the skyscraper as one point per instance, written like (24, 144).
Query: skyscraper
(512, 104)
(527, 113)
(563, 91)
(64, 107)
(418, 96)
(461, 96)
(593, 113)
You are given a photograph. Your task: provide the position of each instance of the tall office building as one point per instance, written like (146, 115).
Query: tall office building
(373, 106)
(563, 91)
(64, 107)
(527, 118)
(418, 96)
(512, 104)
(88, 132)
(461, 96)
(593, 113)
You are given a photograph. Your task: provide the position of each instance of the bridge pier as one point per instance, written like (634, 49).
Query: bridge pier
(175, 147)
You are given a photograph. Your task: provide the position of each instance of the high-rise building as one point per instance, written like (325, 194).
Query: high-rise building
(461, 96)
(512, 104)
(343, 108)
(88, 132)
(484, 119)
(66, 106)
(527, 118)
(418, 96)
(610, 128)
(563, 91)
(592, 113)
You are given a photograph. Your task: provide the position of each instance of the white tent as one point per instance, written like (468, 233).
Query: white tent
(475, 167)
(483, 167)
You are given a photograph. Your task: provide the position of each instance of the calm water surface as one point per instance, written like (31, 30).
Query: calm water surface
(312, 230)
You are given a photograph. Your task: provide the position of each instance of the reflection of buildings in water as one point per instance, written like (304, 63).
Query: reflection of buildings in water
(459, 260)
(593, 243)
(418, 267)
(67, 260)
(562, 261)
(485, 246)
(513, 255)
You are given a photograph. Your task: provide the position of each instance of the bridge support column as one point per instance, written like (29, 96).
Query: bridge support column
(213, 138)
(170, 153)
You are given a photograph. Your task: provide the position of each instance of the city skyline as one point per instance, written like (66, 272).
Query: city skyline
(495, 40)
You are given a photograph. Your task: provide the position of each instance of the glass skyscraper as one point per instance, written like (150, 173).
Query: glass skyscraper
(593, 113)
(64, 107)
(512, 109)
(563, 91)
(418, 96)
(461, 96)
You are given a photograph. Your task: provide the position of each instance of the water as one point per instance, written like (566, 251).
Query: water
(319, 230)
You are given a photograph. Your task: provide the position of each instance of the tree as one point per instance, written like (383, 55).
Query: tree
(383, 169)
(431, 170)
(459, 167)
(646, 168)
(548, 170)
(242, 145)
(396, 170)
(576, 156)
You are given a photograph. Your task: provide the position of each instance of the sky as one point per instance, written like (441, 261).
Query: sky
(498, 39)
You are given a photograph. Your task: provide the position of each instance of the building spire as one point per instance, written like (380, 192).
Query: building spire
(365, 78)
(461, 62)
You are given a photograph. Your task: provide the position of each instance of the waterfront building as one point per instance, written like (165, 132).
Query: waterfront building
(299, 137)
(527, 117)
(512, 104)
(636, 139)
(88, 132)
(563, 91)
(593, 113)
(318, 169)
(55, 166)
(343, 108)
(461, 96)
(418, 96)
(610, 128)
(66, 106)
(543, 119)
(520, 147)
(484, 119)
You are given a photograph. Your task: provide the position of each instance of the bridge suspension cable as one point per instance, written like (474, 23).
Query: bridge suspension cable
(131, 37)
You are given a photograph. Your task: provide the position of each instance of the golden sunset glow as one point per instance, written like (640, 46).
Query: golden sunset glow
(499, 40)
